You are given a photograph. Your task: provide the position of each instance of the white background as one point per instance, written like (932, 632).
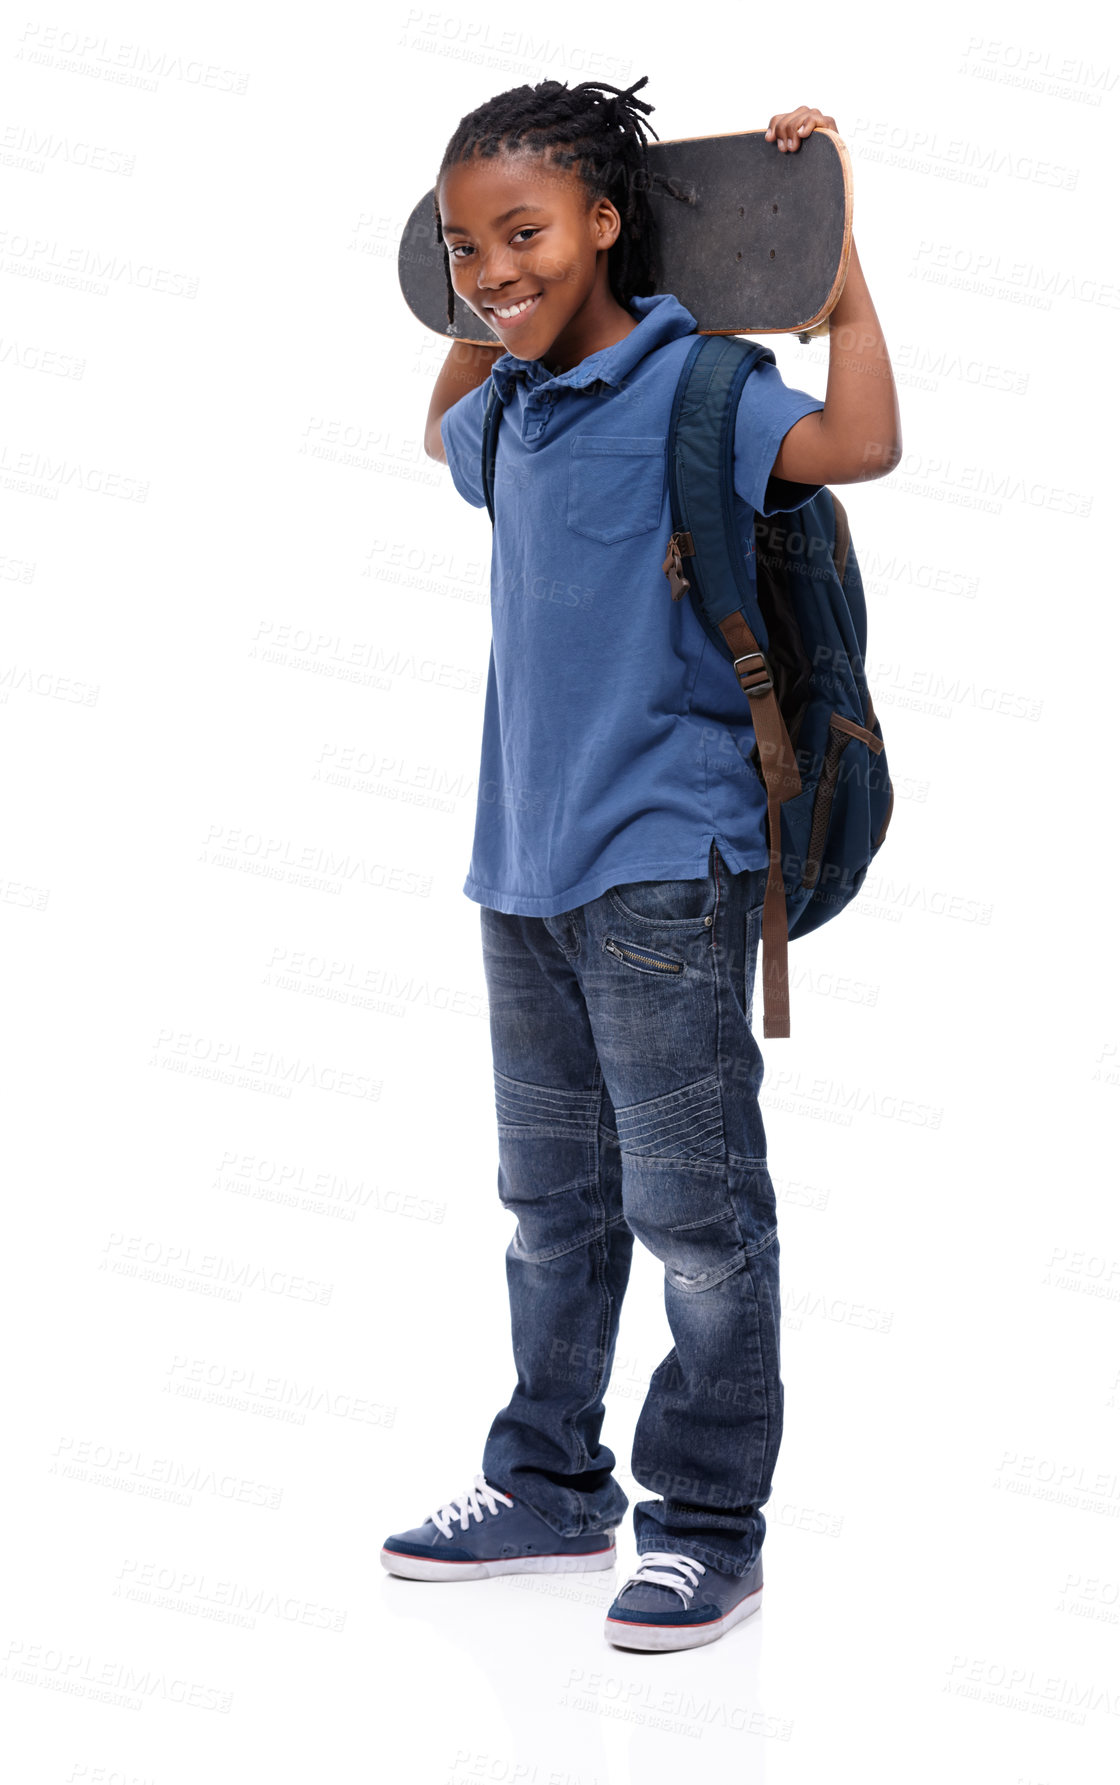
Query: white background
(253, 1264)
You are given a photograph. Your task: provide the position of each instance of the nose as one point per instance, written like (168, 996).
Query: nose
(492, 276)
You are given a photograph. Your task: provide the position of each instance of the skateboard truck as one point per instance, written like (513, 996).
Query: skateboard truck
(807, 334)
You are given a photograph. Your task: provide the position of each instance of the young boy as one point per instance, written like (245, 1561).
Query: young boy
(620, 861)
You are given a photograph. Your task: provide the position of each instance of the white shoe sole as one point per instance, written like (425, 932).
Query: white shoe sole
(625, 1635)
(426, 1568)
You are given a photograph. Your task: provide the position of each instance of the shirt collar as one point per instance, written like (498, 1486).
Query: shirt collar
(660, 318)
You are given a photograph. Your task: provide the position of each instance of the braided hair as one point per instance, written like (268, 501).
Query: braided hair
(593, 128)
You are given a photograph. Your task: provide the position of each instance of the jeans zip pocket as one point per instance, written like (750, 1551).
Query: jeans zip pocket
(641, 958)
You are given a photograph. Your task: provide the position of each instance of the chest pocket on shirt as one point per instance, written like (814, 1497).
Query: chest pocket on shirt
(615, 485)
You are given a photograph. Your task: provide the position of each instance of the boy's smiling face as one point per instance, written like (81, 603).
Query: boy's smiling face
(517, 227)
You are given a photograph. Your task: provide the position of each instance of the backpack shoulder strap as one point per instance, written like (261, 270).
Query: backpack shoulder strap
(701, 450)
(491, 416)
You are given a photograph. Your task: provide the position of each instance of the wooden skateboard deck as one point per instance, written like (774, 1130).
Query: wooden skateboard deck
(760, 248)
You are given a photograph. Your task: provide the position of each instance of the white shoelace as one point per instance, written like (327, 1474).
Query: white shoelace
(466, 1506)
(657, 1560)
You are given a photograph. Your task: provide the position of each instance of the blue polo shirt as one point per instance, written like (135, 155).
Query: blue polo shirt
(616, 737)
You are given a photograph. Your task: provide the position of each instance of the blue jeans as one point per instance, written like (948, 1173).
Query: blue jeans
(626, 1078)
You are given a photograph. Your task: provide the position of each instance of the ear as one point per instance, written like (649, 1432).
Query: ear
(607, 222)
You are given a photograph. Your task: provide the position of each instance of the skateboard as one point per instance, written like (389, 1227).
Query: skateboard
(760, 245)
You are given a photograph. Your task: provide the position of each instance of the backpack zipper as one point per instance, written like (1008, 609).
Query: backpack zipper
(637, 954)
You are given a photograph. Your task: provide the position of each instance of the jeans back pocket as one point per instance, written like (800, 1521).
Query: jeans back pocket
(615, 485)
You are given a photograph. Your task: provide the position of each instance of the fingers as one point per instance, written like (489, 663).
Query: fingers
(789, 129)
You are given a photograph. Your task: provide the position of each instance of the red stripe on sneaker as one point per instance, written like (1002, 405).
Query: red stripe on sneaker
(700, 1624)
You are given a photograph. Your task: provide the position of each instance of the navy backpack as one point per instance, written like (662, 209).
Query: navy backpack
(790, 617)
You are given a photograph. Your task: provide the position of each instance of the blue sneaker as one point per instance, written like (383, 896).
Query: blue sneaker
(504, 1538)
(655, 1608)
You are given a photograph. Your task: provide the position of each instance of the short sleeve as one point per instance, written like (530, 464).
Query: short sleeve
(460, 429)
(768, 408)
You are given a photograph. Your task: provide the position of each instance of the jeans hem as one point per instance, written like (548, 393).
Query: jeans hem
(581, 1530)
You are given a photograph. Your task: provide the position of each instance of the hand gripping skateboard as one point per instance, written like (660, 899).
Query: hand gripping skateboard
(755, 243)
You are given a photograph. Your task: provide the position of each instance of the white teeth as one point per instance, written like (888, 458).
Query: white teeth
(516, 311)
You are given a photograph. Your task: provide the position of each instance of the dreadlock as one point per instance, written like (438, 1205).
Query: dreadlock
(593, 128)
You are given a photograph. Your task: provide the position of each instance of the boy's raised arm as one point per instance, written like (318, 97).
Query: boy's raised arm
(858, 433)
(467, 366)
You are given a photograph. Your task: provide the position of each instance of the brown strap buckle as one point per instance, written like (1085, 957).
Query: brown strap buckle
(762, 686)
